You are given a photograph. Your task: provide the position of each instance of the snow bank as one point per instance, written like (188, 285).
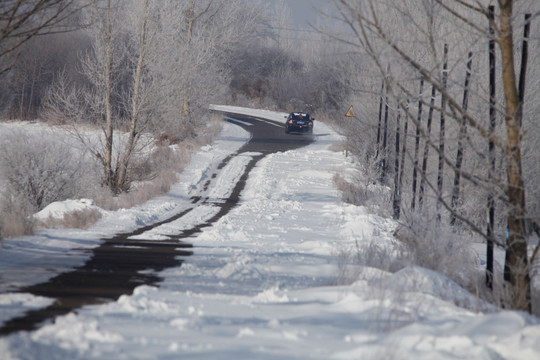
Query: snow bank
(58, 209)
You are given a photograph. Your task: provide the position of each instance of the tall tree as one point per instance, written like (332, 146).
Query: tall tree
(384, 139)
(460, 145)
(516, 267)
(402, 162)
(120, 85)
(144, 36)
(490, 231)
(106, 36)
(423, 171)
(380, 119)
(417, 145)
(397, 194)
(201, 37)
(442, 129)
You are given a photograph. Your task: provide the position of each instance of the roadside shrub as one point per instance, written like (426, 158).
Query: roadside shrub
(437, 246)
(423, 241)
(372, 254)
(358, 189)
(14, 219)
(37, 169)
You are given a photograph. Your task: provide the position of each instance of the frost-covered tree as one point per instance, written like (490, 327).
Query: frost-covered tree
(201, 38)
(119, 89)
(416, 52)
(154, 67)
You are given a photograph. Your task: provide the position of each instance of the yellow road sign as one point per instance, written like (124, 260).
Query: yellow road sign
(350, 112)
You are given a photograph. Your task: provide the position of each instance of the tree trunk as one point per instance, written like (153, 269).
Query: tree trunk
(190, 18)
(402, 162)
(379, 122)
(30, 111)
(396, 171)
(385, 137)
(523, 68)
(123, 181)
(21, 103)
(107, 157)
(516, 269)
(462, 135)
(440, 173)
(426, 149)
(417, 145)
(491, 152)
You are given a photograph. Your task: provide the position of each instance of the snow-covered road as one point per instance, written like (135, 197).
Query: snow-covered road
(261, 281)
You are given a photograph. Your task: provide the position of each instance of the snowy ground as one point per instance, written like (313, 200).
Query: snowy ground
(260, 284)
